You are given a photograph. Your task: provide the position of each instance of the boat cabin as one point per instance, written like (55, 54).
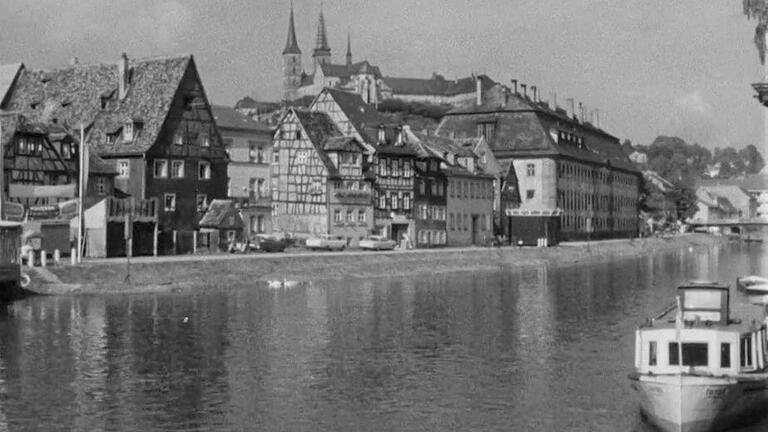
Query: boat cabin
(711, 342)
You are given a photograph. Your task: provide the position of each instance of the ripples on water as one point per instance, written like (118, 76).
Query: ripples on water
(530, 350)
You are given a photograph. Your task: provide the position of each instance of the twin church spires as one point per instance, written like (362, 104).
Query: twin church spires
(292, 70)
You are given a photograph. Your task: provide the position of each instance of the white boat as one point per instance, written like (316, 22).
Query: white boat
(723, 380)
(752, 283)
(284, 283)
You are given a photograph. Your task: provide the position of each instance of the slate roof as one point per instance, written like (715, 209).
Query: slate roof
(248, 102)
(74, 95)
(229, 118)
(291, 46)
(345, 144)
(522, 130)
(437, 85)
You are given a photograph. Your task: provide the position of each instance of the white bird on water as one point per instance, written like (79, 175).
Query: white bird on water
(284, 283)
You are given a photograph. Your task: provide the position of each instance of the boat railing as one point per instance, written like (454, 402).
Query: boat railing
(667, 309)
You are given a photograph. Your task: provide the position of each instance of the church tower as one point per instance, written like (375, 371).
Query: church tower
(291, 64)
(349, 51)
(322, 53)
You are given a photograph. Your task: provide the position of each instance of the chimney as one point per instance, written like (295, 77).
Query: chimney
(525, 90)
(514, 85)
(506, 95)
(535, 93)
(123, 79)
(479, 90)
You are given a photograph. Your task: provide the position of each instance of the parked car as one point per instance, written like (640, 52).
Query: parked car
(327, 242)
(377, 243)
(268, 243)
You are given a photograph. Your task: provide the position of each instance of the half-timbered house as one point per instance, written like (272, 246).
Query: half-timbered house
(351, 115)
(149, 117)
(318, 186)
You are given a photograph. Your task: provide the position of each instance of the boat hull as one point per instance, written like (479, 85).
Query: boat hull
(688, 403)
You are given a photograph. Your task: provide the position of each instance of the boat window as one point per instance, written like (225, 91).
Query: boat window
(725, 355)
(694, 354)
(652, 353)
(746, 351)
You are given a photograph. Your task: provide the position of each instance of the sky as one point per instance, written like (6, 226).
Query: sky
(652, 67)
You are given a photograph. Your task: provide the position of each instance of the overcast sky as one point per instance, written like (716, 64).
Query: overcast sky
(680, 67)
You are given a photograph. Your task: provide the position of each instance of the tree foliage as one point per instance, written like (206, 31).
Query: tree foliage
(758, 10)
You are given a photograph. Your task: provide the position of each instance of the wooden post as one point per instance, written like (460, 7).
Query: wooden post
(154, 241)
(175, 249)
(43, 258)
(56, 257)
(31, 258)
(194, 241)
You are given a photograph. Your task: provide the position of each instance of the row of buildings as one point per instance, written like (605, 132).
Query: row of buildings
(170, 173)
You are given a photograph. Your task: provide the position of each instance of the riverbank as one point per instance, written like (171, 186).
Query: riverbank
(180, 273)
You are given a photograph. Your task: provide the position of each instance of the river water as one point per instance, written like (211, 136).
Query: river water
(535, 349)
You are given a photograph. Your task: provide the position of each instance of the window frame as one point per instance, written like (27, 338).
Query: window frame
(174, 162)
(164, 172)
(204, 170)
(172, 196)
(123, 163)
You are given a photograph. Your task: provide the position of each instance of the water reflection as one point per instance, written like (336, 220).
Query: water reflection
(534, 349)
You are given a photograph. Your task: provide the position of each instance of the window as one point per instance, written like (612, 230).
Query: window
(382, 201)
(169, 202)
(178, 138)
(422, 186)
(231, 235)
(694, 354)
(407, 169)
(725, 355)
(101, 185)
(276, 156)
(406, 201)
(652, 353)
(202, 202)
(351, 216)
(746, 351)
(486, 130)
(337, 217)
(161, 168)
(394, 205)
(260, 223)
(434, 188)
(123, 169)
(177, 169)
(451, 222)
(529, 194)
(361, 217)
(255, 152)
(66, 151)
(205, 140)
(204, 170)
(128, 131)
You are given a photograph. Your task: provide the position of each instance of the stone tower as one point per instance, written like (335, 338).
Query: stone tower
(322, 53)
(291, 64)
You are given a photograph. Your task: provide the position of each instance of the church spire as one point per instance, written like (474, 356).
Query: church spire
(349, 51)
(322, 52)
(291, 46)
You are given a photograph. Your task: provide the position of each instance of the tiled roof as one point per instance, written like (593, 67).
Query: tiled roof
(362, 115)
(442, 145)
(344, 71)
(216, 213)
(8, 75)
(349, 144)
(75, 94)
(97, 165)
(228, 118)
(436, 86)
(522, 129)
(319, 128)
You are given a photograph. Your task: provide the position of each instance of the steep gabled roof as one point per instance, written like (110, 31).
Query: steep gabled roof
(217, 213)
(319, 128)
(8, 75)
(343, 144)
(345, 71)
(74, 95)
(362, 115)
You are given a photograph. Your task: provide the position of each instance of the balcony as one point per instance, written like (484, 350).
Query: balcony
(138, 209)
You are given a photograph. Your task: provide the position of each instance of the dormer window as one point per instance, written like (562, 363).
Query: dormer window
(205, 140)
(128, 131)
(178, 138)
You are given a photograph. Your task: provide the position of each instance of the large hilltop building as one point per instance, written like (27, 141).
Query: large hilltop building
(363, 78)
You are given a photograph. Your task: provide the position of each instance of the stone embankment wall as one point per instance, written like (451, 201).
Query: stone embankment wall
(199, 272)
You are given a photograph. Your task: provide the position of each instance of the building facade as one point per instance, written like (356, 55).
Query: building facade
(152, 120)
(249, 145)
(318, 184)
(562, 164)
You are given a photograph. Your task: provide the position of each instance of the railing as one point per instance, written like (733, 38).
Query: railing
(138, 209)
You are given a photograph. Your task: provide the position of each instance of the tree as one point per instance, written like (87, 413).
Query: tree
(758, 10)
(752, 159)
